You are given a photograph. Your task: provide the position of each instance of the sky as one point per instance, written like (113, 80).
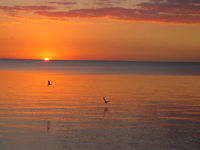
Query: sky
(127, 30)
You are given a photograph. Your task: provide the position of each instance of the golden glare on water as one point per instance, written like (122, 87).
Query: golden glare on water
(46, 59)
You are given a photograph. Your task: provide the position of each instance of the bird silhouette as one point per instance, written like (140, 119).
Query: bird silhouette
(105, 100)
(49, 83)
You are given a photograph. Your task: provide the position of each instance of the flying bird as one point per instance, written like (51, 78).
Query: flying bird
(49, 83)
(105, 100)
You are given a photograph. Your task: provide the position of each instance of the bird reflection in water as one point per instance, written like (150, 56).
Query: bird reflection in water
(105, 111)
(48, 126)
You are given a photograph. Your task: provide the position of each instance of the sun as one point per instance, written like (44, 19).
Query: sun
(46, 59)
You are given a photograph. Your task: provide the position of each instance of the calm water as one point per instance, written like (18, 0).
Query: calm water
(152, 106)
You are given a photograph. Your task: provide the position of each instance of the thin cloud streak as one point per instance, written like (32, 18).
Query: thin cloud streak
(62, 3)
(25, 8)
(15, 10)
(108, 3)
(59, 20)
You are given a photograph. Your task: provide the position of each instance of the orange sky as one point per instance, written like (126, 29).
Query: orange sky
(145, 30)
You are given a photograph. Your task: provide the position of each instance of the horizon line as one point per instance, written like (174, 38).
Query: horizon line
(102, 60)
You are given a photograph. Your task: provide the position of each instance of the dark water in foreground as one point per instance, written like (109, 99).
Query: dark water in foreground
(152, 105)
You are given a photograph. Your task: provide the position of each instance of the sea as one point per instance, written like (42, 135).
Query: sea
(152, 105)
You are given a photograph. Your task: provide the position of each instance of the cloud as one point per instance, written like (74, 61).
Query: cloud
(163, 11)
(37, 19)
(18, 9)
(62, 3)
(111, 12)
(173, 7)
(167, 15)
(103, 4)
(108, 2)
(25, 8)
(175, 11)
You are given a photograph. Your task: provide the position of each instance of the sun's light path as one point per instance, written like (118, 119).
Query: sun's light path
(46, 58)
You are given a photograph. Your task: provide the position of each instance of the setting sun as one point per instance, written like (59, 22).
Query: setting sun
(46, 58)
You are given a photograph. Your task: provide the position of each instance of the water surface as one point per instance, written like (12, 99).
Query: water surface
(157, 109)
